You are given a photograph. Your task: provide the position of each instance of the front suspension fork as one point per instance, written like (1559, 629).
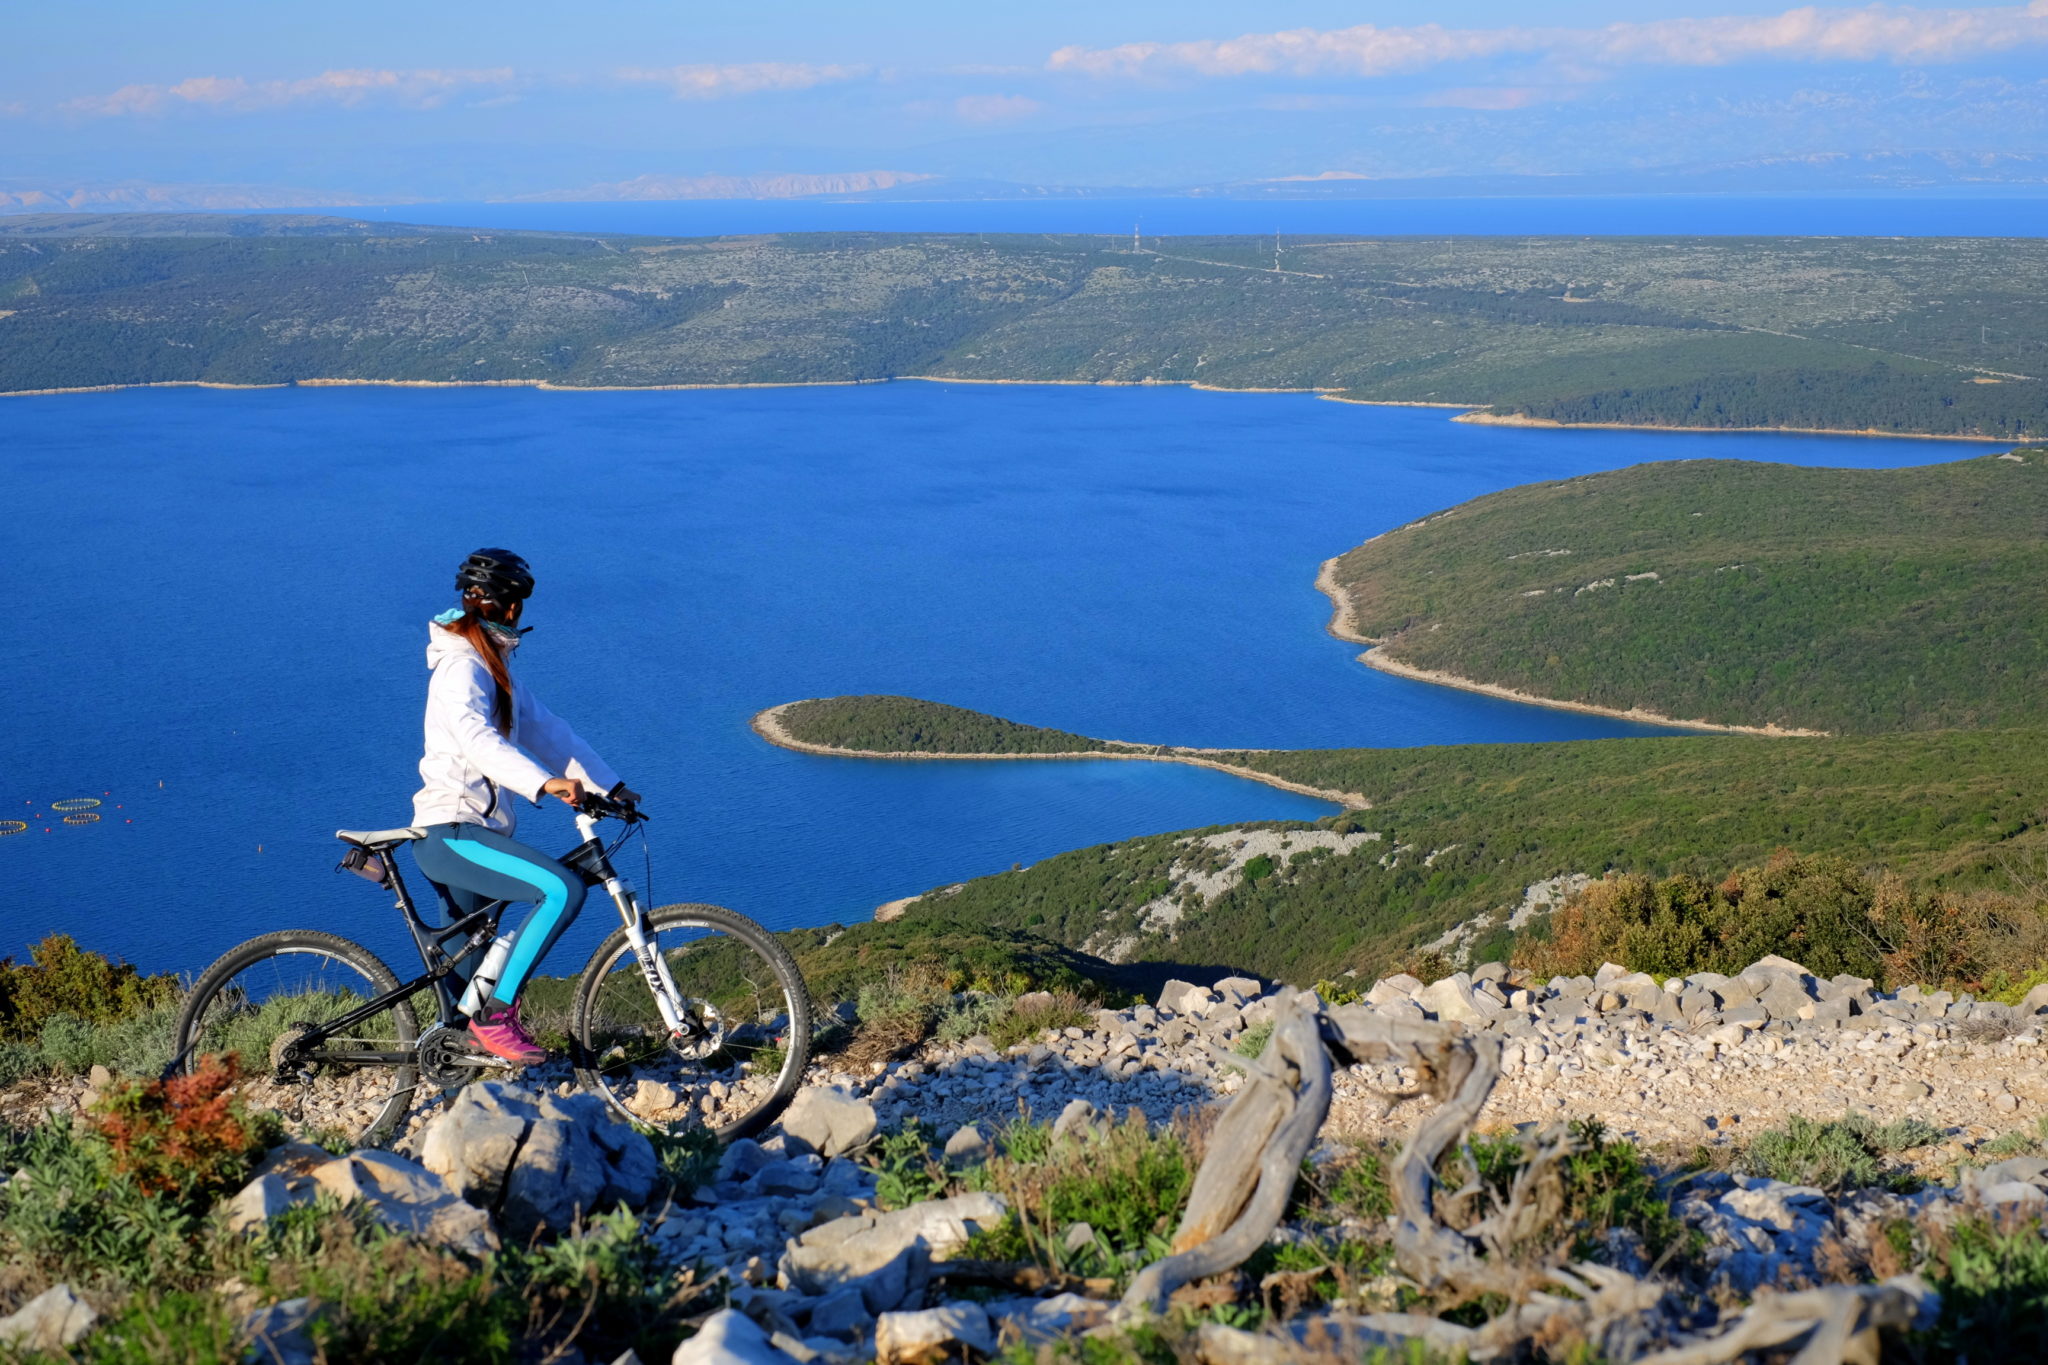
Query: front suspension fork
(640, 934)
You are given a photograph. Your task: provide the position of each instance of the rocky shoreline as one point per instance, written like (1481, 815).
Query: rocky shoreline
(768, 725)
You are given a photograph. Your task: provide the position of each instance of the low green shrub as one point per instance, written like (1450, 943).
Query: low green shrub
(19, 1061)
(384, 1296)
(1344, 990)
(1355, 1185)
(909, 998)
(1601, 1185)
(1993, 1280)
(688, 1157)
(76, 1218)
(2011, 990)
(840, 963)
(1023, 1022)
(69, 1044)
(181, 1327)
(1252, 1042)
(1126, 1181)
(1837, 1154)
(907, 1167)
(2019, 1142)
(969, 1015)
(1312, 1272)
(767, 1059)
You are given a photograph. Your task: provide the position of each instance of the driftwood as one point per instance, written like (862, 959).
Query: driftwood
(1459, 1243)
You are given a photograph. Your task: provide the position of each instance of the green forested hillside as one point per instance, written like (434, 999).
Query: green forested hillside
(1465, 829)
(1854, 333)
(1851, 601)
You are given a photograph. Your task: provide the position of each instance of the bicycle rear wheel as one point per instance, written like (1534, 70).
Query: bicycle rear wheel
(739, 988)
(259, 999)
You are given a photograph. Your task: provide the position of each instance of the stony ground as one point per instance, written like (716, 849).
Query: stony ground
(1704, 1063)
(820, 1272)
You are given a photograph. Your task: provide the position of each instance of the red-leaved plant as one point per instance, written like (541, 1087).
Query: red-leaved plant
(184, 1137)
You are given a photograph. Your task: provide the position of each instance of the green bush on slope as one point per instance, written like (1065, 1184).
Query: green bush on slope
(62, 979)
(1830, 916)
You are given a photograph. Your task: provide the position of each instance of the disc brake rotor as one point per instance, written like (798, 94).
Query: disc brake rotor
(706, 1033)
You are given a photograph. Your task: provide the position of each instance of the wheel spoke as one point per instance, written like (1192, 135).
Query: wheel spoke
(265, 1002)
(751, 1028)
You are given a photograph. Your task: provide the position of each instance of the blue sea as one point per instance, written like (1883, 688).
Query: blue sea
(1538, 215)
(218, 606)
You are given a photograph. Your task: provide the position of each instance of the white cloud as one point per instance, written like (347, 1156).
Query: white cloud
(710, 82)
(1494, 97)
(1874, 33)
(1366, 50)
(423, 89)
(995, 108)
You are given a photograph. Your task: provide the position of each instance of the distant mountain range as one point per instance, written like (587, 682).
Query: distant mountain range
(1821, 173)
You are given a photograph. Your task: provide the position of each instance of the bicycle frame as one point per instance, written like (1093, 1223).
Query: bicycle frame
(589, 860)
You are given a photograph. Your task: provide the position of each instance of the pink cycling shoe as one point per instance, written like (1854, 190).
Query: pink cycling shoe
(498, 1031)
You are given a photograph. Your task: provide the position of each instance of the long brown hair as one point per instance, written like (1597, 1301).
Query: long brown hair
(470, 626)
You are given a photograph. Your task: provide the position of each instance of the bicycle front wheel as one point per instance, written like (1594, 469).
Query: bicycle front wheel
(264, 1000)
(750, 1015)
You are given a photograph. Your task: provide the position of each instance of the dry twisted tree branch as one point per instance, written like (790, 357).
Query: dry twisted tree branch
(1243, 1186)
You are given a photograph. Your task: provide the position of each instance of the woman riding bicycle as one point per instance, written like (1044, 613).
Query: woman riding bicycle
(487, 736)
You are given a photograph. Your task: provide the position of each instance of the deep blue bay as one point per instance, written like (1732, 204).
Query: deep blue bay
(218, 608)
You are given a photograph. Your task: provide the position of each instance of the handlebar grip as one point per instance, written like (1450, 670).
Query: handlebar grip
(600, 806)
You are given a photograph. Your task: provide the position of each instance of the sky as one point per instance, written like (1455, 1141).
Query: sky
(379, 101)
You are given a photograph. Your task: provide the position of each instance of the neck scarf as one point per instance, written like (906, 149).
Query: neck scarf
(503, 636)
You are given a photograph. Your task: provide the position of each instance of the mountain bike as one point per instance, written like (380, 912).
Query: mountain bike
(685, 1016)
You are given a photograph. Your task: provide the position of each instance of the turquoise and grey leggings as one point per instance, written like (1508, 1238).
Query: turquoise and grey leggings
(475, 865)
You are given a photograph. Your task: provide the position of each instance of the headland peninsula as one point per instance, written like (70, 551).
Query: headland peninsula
(1728, 594)
(1933, 337)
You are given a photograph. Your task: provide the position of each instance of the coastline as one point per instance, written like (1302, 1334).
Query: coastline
(1376, 657)
(546, 385)
(768, 725)
(1337, 396)
(1478, 418)
(1472, 413)
(1344, 625)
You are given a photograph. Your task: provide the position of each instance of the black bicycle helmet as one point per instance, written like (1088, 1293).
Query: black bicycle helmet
(496, 576)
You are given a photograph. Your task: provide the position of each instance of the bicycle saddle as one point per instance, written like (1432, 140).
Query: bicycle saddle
(378, 839)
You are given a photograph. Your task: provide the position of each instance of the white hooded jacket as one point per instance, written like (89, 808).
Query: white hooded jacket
(469, 767)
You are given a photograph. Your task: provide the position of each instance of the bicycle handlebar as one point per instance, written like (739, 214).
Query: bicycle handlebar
(601, 807)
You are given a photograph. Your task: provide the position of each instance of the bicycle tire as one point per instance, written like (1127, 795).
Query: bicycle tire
(615, 950)
(189, 1038)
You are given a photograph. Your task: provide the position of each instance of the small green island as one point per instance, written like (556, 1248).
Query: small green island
(898, 727)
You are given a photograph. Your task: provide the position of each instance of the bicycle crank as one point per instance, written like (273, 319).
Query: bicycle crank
(449, 1058)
